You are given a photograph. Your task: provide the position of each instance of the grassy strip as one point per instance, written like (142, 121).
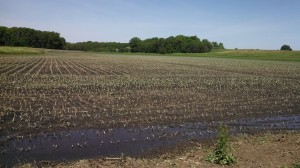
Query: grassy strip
(250, 54)
(271, 55)
(20, 50)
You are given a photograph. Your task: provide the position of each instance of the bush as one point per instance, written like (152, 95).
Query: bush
(222, 153)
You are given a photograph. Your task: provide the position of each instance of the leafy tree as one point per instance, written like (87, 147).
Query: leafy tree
(286, 47)
(20, 36)
(178, 44)
(207, 46)
(3, 35)
(221, 46)
(135, 44)
(215, 44)
(98, 46)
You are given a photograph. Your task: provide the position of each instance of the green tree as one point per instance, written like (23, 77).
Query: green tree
(207, 46)
(286, 47)
(215, 44)
(135, 44)
(221, 46)
(21, 36)
(179, 44)
(3, 33)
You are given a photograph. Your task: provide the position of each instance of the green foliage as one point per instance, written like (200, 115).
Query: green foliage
(26, 37)
(248, 54)
(222, 153)
(178, 44)
(135, 44)
(294, 165)
(98, 46)
(286, 47)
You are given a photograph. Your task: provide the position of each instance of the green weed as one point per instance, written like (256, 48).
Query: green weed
(222, 153)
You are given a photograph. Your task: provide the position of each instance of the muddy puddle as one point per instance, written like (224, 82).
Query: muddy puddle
(91, 143)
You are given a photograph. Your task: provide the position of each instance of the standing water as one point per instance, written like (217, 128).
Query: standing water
(91, 143)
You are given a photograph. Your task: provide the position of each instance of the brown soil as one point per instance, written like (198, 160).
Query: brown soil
(60, 91)
(267, 150)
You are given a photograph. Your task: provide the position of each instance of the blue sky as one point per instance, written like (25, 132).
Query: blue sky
(262, 24)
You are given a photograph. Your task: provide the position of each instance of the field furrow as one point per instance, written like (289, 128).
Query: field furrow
(51, 66)
(75, 70)
(86, 69)
(96, 70)
(43, 67)
(36, 68)
(21, 67)
(62, 67)
(57, 69)
(71, 91)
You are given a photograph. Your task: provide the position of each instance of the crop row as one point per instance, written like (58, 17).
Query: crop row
(65, 91)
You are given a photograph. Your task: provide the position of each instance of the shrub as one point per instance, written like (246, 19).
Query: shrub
(222, 153)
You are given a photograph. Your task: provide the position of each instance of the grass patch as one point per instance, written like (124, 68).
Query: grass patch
(295, 165)
(272, 55)
(20, 50)
(249, 54)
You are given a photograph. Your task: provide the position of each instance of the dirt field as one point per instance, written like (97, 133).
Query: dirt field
(60, 90)
(74, 90)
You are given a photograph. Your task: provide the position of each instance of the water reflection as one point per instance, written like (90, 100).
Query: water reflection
(80, 144)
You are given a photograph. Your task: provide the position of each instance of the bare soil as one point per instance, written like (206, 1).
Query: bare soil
(67, 91)
(60, 91)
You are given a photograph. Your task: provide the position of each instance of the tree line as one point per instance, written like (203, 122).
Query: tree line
(26, 37)
(98, 46)
(178, 44)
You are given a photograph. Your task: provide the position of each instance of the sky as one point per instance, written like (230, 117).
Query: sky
(243, 24)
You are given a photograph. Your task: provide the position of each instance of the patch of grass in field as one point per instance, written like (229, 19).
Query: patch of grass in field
(272, 55)
(20, 50)
(249, 54)
(295, 165)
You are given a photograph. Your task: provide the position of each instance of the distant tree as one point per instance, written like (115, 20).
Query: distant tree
(215, 44)
(207, 46)
(170, 44)
(135, 44)
(286, 47)
(178, 44)
(221, 46)
(3, 35)
(98, 46)
(21, 36)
